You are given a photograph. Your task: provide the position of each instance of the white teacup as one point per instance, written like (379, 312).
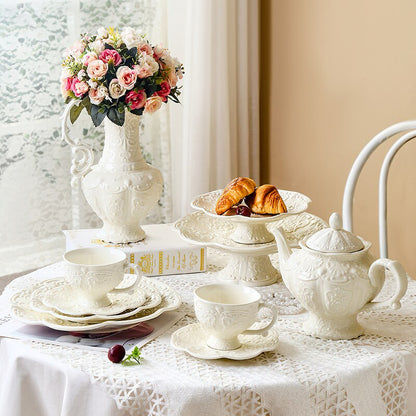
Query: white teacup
(226, 311)
(93, 272)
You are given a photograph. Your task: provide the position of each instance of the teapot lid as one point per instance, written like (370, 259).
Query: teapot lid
(334, 239)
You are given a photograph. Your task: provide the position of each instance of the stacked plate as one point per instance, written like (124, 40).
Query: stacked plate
(54, 304)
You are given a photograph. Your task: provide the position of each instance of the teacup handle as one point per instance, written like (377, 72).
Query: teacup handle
(137, 273)
(263, 330)
(376, 275)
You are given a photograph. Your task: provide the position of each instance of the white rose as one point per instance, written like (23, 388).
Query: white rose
(130, 37)
(115, 89)
(81, 74)
(149, 62)
(178, 68)
(65, 73)
(103, 92)
(97, 46)
(92, 83)
(102, 33)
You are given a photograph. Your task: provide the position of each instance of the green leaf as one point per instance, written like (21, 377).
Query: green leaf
(115, 116)
(87, 106)
(108, 46)
(174, 99)
(137, 111)
(134, 358)
(97, 114)
(151, 89)
(75, 112)
(132, 52)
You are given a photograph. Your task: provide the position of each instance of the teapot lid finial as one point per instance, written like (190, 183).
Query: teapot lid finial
(334, 239)
(335, 221)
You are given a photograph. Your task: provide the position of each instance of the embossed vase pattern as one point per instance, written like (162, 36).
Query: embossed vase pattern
(122, 187)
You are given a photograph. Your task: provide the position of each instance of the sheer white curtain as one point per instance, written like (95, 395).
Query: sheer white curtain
(215, 135)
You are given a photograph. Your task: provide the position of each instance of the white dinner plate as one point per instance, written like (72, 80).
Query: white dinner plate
(59, 295)
(152, 299)
(22, 311)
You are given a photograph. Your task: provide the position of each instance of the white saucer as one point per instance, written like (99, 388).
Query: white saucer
(59, 295)
(152, 300)
(192, 339)
(22, 311)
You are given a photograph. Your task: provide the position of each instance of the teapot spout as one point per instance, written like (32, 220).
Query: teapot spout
(284, 249)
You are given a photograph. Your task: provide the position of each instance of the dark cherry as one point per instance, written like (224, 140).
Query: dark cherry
(243, 210)
(116, 353)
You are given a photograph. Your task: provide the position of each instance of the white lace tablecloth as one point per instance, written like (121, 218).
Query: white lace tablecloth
(373, 375)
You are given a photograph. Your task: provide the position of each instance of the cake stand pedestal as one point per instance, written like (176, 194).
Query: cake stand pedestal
(247, 264)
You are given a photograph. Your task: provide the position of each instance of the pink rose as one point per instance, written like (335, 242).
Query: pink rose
(78, 87)
(126, 77)
(164, 91)
(97, 69)
(153, 104)
(136, 99)
(67, 83)
(108, 55)
(95, 96)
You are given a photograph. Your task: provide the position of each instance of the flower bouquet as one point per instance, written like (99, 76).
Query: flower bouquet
(113, 71)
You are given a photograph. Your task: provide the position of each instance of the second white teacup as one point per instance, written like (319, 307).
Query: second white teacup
(93, 272)
(226, 311)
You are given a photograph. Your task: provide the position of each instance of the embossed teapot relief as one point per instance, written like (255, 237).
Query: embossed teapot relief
(334, 277)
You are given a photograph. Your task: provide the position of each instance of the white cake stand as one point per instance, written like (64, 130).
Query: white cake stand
(247, 240)
(251, 230)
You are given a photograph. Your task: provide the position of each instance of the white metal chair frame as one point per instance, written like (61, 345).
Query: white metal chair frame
(347, 204)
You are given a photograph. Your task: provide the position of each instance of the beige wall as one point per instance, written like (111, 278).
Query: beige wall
(335, 73)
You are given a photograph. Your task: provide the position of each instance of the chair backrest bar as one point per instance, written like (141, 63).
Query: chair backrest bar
(348, 198)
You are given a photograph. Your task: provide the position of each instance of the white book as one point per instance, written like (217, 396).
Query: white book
(162, 252)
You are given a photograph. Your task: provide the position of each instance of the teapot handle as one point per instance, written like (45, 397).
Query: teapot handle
(376, 275)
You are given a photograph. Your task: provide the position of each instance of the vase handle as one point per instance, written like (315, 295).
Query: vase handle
(82, 154)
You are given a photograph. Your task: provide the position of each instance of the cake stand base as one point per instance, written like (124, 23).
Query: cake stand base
(250, 270)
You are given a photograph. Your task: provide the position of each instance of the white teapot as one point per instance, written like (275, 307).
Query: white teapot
(334, 277)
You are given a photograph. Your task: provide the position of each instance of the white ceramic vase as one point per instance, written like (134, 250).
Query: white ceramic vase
(121, 188)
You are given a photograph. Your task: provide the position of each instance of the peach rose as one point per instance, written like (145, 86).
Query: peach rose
(153, 104)
(144, 47)
(126, 77)
(88, 57)
(95, 96)
(97, 69)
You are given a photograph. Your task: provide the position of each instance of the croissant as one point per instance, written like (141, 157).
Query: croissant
(233, 193)
(266, 200)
